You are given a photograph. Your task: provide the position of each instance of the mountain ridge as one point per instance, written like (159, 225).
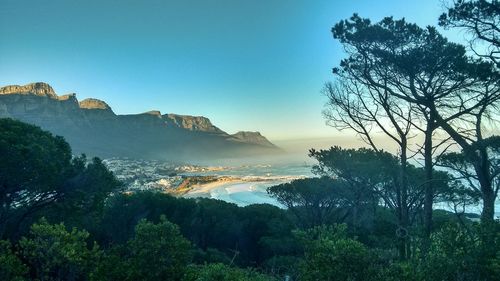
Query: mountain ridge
(92, 127)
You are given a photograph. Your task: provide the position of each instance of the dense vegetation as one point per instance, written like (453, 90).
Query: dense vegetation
(333, 229)
(369, 215)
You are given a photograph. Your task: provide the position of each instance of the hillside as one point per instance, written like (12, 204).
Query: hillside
(92, 127)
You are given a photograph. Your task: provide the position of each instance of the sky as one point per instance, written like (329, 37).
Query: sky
(252, 65)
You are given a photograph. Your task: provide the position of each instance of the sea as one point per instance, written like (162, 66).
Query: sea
(256, 178)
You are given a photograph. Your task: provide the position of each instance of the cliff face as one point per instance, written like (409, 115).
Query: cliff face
(94, 104)
(91, 127)
(252, 137)
(38, 89)
(192, 123)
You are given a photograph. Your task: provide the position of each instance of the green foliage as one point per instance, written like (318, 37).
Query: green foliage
(11, 267)
(210, 255)
(221, 272)
(362, 165)
(112, 266)
(283, 266)
(249, 235)
(394, 69)
(217, 232)
(158, 252)
(457, 253)
(39, 177)
(53, 253)
(85, 194)
(330, 255)
(314, 201)
(33, 167)
(398, 271)
(367, 176)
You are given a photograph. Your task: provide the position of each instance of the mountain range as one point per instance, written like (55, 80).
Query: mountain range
(90, 126)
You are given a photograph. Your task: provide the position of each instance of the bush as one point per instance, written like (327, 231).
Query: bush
(330, 255)
(11, 266)
(53, 253)
(457, 253)
(158, 252)
(221, 272)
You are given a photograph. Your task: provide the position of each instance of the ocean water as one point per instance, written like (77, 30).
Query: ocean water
(257, 178)
(246, 193)
(270, 171)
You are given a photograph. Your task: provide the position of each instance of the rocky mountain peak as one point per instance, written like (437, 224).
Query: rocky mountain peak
(91, 127)
(68, 97)
(252, 137)
(37, 89)
(192, 123)
(154, 113)
(248, 134)
(94, 104)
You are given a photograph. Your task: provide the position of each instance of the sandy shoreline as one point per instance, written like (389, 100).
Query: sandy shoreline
(190, 187)
(238, 190)
(203, 190)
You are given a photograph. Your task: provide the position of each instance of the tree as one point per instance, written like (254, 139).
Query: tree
(362, 109)
(85, 193)
(330, 255)
(158, 252)
(33, 167)
(313, 201)
(53, 253)
(221, 272)
(481, 20)
(263, 224)
(221, 231)
(39, 176)
(373, 176)
(366, 173)
(456, 255)
(421, 67)
(12, 268)
(457, 163)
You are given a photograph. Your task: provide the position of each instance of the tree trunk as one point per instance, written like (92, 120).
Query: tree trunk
(488, 232)
(480, 161)
(429, 189)
(488, 213)
(404, 249)
(488, 196)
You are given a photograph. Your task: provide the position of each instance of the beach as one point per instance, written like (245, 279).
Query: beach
(240, 191)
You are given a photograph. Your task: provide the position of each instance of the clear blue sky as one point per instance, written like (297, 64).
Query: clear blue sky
(256, 65)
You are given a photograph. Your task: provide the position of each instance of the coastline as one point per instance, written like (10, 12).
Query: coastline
(241, 191)
(204, 189)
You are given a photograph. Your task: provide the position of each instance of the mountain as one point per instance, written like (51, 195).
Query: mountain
(91, 127)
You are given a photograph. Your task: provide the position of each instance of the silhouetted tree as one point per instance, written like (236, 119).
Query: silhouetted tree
(421, 67)
(33, 168)
(366, 174)
(362, 109)
(313, 201)
(481, 20)
(374, 176)
(39, 176)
